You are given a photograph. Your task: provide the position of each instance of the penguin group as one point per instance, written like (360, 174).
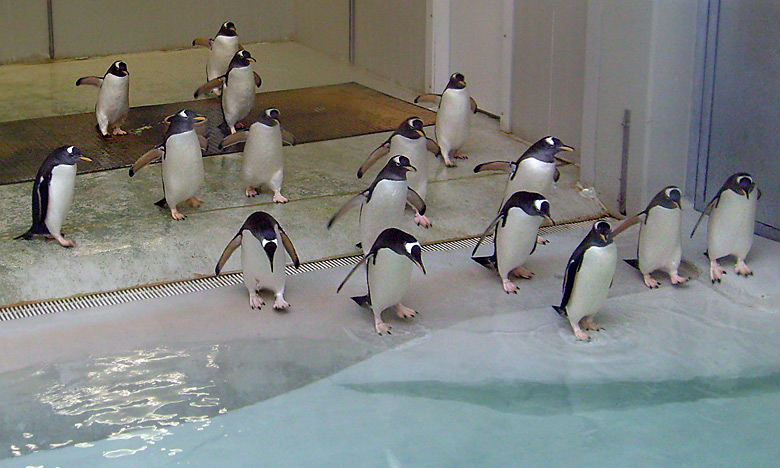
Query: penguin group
(389, 254)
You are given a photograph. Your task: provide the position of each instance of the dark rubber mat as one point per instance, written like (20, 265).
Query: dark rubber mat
(311, 114)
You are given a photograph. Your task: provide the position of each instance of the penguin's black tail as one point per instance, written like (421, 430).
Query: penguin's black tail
(223, 127)
(36, 229)
(363, 301)
(561, 311)
(27, 235)
(634, 262)
(488, 261)
(161, 203)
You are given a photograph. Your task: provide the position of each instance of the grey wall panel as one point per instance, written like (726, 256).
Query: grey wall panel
(93, 27)
(323, 25)
(24, 32)
(390, 40)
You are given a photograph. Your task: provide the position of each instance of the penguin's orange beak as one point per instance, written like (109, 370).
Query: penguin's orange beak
(409, 167)
(251, 59)
(566, 148)
(549, 218)
(84, 158)
(420, 132)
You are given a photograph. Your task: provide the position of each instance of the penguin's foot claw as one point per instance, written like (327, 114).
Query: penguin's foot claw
(176, 215)
(716, 271)
(382, 328)
(250, 192)
(541, 240)
(459, 155)
(581, 335)
(280, 303)
(521, 272)
(279, 198)
(741, 268)
(194, 202)
(448, 162)
(509, 287)
(422, 220)
(650, 282)
(677, 279)
(256, 302)
(404, 312)
(587, 324)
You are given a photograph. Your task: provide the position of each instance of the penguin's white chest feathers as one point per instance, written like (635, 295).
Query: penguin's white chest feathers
(61, 186)
(114, 97)
(182, 167)
(660, 240)
(416, 151)
(383, 211)
(238, 94)
(731, 224)
(453, 118)
(222, 51)
(515, 240)
(262, 157)
(256, 267)
(388, 279)
(532, 175)
(592, 282)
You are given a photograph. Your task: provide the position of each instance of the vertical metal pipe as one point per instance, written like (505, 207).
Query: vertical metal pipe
(50, 14)
(352, 31)
(624, 161)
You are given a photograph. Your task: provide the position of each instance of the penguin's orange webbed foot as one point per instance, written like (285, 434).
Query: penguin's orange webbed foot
(279, 198)
(176, 215)
(382, 328)
(404, 312)
(587, 324)
(522, 272)
(677, 279)
(541, 240)
(250, 192)
(256, 302)
(65, 242)
(422, 220)
(716, 271)
(194, 202)
(650, 282)
(118, 131)
(509, 286)
(459, 155)
(741, 268)
(280, 303)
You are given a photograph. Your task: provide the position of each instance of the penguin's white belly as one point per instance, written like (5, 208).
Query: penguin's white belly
(238, 95)
(388, 279)
(182, 167)
(222, 51)
(453, 119)
(660, 240)
(416, 151)
(592, 282)
(532, 175)
(257, 268)
(262, 157)
(515, 240)
(731, 225)
(383, 211)
(113, 98)
(63, 181)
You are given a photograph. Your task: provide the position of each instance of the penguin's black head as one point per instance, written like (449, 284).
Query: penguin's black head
(411, 128)
(69, 155)
(601, 233)
(118, 68)
(242, 58)
(270, 117)
(457, 81)
(182, 121)
(674, 195)
(532, 203)
(263, 226)
(546, 149)
(745, 184)
(401, 162)
(401, 243)
(227, 29)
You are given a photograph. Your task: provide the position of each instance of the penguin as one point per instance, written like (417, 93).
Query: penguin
(453, 118)
(262, 261)
(238, 90)
(732, 220)
(408, 139)
(516, 228)
(388, 271)
(587, 280)
(113, 101)
(660, 237)
(262, 158)
(182, 163)
(52, 194)
(382, 203)
(222, 49)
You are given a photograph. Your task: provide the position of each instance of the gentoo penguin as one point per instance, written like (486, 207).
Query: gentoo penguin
(262, 261)
(52, 193)
(382, 203)
(262, 159)
(453, 117)
(660, 236)
(516, 228)
(588, 278)
(222, 49)
(388, 273)
(410, 140)
(182, 163)
(238, 90)
(732, 221)
(113, 100)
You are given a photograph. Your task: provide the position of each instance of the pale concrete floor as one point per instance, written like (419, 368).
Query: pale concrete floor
(124, 241)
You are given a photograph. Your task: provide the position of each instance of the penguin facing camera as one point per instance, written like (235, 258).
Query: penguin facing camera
(113, 101)
(382, 203)
(453, 118)
(732, 220)
(389, 264)
(660, 237)
(408, 139)
(222, 48)
(52, 194)
(263, 162)
(182, 163)
(516, 228)
(262, 261)
(238, 90)
(587, 280)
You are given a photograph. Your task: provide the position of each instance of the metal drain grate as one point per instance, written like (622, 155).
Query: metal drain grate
(212, 282)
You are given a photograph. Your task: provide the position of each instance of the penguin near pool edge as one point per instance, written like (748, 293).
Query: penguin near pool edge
(52, 194)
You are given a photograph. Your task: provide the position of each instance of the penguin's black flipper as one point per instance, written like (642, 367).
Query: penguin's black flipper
(202, 41)
(234, 139)
(148, 157)
(432, 146)
(288, 138)
(431, 97)
(362, 261)
(231, 247)
(258, 80)
(89, 80)
(415, 200)
(380, 151)
(634, 262)
(503, 166)
(353, 202)
(627, 223)
(362, 301)
(561, 311)
(488, 261)
(474, 107)
(208, 86)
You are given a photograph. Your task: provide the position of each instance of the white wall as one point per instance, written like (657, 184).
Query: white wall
(24, 31)
(323, 25)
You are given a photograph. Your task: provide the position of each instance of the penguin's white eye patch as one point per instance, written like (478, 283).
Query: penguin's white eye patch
(410, 245)
(70, 150)
(183, 114)
(749, 179)
(550, 141)
(539, 204)
(266, 242)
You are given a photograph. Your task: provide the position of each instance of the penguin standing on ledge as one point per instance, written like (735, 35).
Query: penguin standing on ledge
(660, 237)
(389, 269)
(262, 261)
(113, 101)
(587, 280)
(516, 228)
(52, 194)
(732, 220)
(222, 49)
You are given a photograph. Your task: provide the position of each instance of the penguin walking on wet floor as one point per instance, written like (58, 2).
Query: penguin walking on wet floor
(182, 163)
(516, 228)
(389, 264)
(262, 261)
(732, 220)
(238, 90)
(221, 50)
(382, 203)
(52, 194)
(113, 101)
(660, 237)
(587, 280)
(408, 139)
(453, 119)
(263, 162)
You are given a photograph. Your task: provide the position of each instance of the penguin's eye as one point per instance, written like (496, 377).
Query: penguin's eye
(410, 245)
(550, 141)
